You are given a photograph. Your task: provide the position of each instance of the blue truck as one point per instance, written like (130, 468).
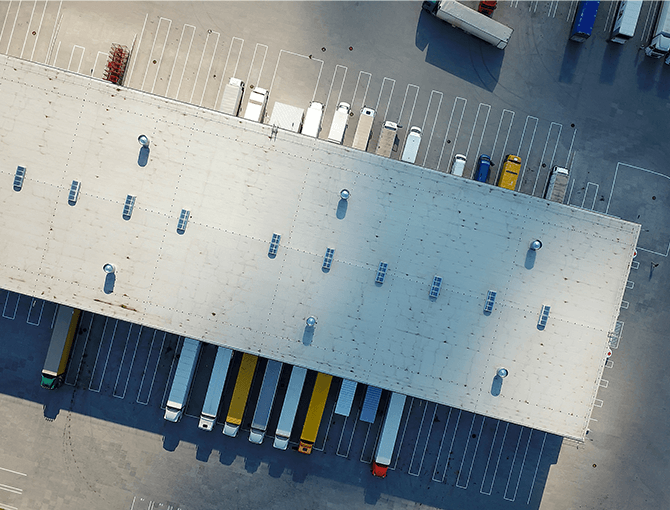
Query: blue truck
(585, 17)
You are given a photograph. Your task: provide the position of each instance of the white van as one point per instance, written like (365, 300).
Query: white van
(458, 165)
(411, 145)
(311, 126)
(232, 97)
(258, 100)
(339, 125)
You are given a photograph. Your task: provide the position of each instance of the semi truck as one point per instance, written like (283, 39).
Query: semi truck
(364, 129)
(259, 423)
(217, 380)
(339, 125)
(58, 354)
(510, 172)
(470, 21)
(386, 139)
(625, 21)
(232, 97)
(183, 377)
(558, 183)
(287, 117)
(387, 439)
(240, 394)
(660, 37)
(585, 17)
(289, 408)
(314, 413)
(258, 100)
(370, 404)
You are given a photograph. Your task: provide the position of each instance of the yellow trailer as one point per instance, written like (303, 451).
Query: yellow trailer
(315, 412)
(240, 394)
(58, 355)
(510, 172)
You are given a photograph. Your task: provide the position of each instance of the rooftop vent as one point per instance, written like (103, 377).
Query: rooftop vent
(274, 246)
(544, 315)
(74, 192)
(490, 299)
(128, 207)
(328, 259)
(18, 177)
(183, 221)
(381, 272)
(435, 287)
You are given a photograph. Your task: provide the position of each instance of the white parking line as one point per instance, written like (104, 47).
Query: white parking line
(530, 145)
(474, 454)
(96, 61)
(81, 360)
(544, 151)
(516, 489)
(332, 83)
(495, 141)
(16, 307)
(351, 437)
(365, 443)
(418, 436)
(472, 133)
(423, 125)
(109, 349)
(176, 57)
(81, 58)
(9, 488)
(153, 46)
(446, 135)
(404, 102)
(132, 362)
(404, 429)
(358, 81)
(381, 90)
(539, 458)
(30, 22)
(325, 437)
(595, 194)
(39, 30)
(33, 306)
(4, 23)
(502, 444)
(146, 366)
(133, 60)
(439, 452)
(209, 70)
(11, 34)
(54, 33)
(13, 472)
(253, 61)
(225, 66)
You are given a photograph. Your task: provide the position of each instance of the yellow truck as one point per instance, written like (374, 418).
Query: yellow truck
(510, 172)
(240, 394)
(315, 412)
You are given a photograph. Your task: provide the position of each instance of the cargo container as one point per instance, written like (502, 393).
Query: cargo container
(258, 100)
(387, 139)
(339, 125)
(660, 37)
(370, 404)
(314, 413)
(240, 395)
(364, 129)
(289, 408)
(183, 377)
(585, 17)
(345, 397)
(557, 185)
(625, 20)
(287, 117)
(232, 97)
(387, 439)
(58, 354)
(510, 172)
(217, 380)
(259, 423)
(312, 123)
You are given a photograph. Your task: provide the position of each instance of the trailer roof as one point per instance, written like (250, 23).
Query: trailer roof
(241, 184)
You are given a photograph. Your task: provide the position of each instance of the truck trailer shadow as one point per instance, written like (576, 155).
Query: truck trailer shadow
(458, 53)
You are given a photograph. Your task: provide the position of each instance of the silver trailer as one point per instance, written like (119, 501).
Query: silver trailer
(557, 185)
(183, 377)
(266, 398)
(345, 397)
(288, 410)
(370, 404)
(660, 37)
(626, 20)
(364, 129)
(217, 380)
(387, 439)
(232, 97)
(339, 125)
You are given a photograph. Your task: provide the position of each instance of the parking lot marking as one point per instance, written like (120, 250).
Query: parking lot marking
(176, 58)
(134, 50)
(598, 403)
(132, 361)
(609, 363)
(153, 47)
(554, 4)
(439, 452)
(225, 66)
(4, 23)
(81, 360)
(325, 436)
(39, 30)
(381, 92)
(530, 145)
(367, 86)
(510, 114)
(253, 63)
(446, 135)
(173, 369)
(404, 102)
(351, 436)
(56, 54)
(146, 372)
(30, 22)
(425, 118)
(625, 305)
(8, 304)
(523, 461)
(595, 194)
(9, 488)
(571, 188)
(635, 264)
(474, 128)
(570, 153)
(604, 383)
(97, 356)
(13, 472)
(35, 308)
(544, 151)
(332, 83)
(11, 34)
(537, 466)
(97, 57)
(420, 439)
(474, 453)
(493, 447)
(404, 429)
(81, 58)
(209, 69)
(54, 33)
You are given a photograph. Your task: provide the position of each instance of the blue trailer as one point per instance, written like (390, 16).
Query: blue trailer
(584, 20)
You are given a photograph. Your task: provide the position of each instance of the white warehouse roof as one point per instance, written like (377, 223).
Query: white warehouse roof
(241, 184)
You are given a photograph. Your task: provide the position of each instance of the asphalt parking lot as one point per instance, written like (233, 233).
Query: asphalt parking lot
(599, 109)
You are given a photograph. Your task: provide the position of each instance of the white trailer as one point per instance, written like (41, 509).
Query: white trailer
(364, 129)
(265, 400)
(339, 125)
(412, 143)
(289, 408)
(386, 444)
(386, 139)
(183, 376)
(258, 100)
(557, 185)
(217, 380)
(660, 37)
(470, 21)
(626, 20)
(312, 124)
(287, 117)
(345, 397)
(232, 97)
